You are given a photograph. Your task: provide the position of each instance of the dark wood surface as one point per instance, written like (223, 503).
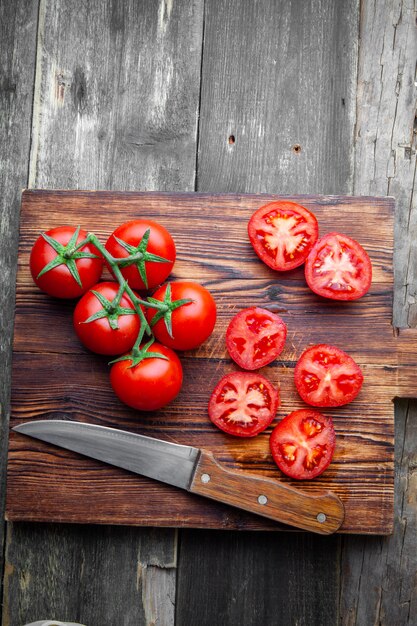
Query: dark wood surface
(336, 78)
(54, 376)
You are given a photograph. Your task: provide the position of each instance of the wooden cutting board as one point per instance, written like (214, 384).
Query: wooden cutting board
(55, 377)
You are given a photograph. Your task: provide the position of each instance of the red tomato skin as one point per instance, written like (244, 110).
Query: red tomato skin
(160, 243)
(286, 431)
(192, 323)
(329, 400)
(312, 278)
(59, 282)
(258, 221)
(243, 380)
(98, 336)
(151, 384)
(238, 327)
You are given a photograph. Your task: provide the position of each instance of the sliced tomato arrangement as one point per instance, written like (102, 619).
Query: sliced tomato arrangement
(189, 316)
(326, 376)
(302, 444)
(282, 234)
(243, 404)
(255, 337)
(152, 383)
(59, 268)
(104, 322)
(338, 268)
(151, 245)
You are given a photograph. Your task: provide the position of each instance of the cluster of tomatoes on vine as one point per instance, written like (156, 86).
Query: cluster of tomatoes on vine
(119, 317)
(116, 318)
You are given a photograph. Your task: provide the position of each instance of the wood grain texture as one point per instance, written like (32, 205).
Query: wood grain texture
(18, 21)
(115, 106)
(278, 97)
(87, 574)
(254, 579)
(362, 470)
(260, 85)
(378, 575)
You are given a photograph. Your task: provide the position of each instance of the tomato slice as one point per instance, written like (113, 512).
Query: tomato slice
(255, 337)
(282, 234)
(243, 404)
(327, 376)
(338, 268)
(302, 444)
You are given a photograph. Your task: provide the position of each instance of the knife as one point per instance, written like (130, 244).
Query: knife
(194, 470)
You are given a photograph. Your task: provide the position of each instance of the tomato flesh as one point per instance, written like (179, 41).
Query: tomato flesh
(325, 376)
(243, 404)
(255, 337)
(302, 444)
(338, 268)
(282, 234)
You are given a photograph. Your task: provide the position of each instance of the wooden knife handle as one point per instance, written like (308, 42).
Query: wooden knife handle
(321, 514)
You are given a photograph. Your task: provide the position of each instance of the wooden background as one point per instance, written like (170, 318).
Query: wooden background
(211, 95)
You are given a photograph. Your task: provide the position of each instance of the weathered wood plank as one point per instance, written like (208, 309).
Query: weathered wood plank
(256, 579)
(115, 106)
(378, 581)
(274, 118)
(278, 96)
(76, 571)
(18, 21)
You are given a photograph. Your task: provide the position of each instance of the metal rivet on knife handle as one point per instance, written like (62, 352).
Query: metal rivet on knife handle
(321, 517)
(205, 478)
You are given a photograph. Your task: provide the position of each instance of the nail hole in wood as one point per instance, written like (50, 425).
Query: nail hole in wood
(231, 140)
(296, 148)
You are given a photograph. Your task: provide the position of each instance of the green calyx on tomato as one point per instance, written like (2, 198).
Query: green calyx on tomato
(138, 256)
(111, 308)
(139, 354)
(67, 255)
(166, 307)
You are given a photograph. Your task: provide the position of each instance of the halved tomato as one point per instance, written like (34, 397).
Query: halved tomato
(282, 234)
(255, 337)
(243, 404)
(338, 268)
(303, 443)
(327, 376)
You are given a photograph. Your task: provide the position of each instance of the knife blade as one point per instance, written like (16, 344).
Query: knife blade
(194, 470)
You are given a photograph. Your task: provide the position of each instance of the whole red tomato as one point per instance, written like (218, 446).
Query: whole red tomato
(105, 322)
(150, 384)
(153, 250)
(59, 269)
(189, 318)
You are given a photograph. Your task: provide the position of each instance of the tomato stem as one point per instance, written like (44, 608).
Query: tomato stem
(138, 303)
